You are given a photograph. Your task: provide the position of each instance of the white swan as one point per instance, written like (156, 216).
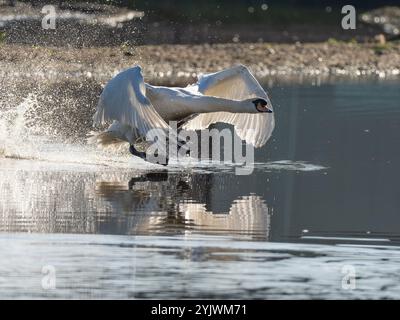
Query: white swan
(232, 96)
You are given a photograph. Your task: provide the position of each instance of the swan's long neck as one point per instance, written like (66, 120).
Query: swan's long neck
(178, 103)
(204, 104)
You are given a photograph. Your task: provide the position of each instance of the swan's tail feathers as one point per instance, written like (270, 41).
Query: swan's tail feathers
(106, 140)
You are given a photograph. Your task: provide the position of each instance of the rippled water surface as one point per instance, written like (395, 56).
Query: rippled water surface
(321, 205)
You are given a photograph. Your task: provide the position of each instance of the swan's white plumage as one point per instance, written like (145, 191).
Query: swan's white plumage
(135, 107)
(124, 101)
(238, 84)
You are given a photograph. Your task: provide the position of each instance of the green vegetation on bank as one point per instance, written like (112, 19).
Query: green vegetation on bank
(3, 36)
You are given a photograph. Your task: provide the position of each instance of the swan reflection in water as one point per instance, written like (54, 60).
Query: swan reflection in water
(167, 203)
(46, 201)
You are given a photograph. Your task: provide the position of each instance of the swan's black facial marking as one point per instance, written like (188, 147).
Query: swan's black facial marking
(261, 105)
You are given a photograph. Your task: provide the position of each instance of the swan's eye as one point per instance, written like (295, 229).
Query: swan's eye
(260, 101)
(261, 105)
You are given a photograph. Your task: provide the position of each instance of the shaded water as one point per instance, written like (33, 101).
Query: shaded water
(323, 196)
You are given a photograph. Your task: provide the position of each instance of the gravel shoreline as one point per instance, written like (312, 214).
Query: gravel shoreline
(180, 64)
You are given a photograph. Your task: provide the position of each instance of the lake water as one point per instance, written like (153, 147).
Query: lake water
(317, 218)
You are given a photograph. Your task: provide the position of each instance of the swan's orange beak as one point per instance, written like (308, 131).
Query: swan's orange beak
(263, 108)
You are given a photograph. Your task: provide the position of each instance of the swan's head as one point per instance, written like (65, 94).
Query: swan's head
(261, 105)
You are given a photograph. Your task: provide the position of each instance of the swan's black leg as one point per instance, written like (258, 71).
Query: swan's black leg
(143, 155)
(137, 153)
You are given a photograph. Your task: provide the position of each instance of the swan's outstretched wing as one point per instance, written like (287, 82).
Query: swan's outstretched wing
(124, 100)
(236, 83)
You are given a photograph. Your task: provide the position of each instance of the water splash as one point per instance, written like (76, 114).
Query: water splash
(24, 137)
(289, 165)
(15, 138)
(42, 128)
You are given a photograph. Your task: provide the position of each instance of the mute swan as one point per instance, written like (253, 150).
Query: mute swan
(232, 96)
